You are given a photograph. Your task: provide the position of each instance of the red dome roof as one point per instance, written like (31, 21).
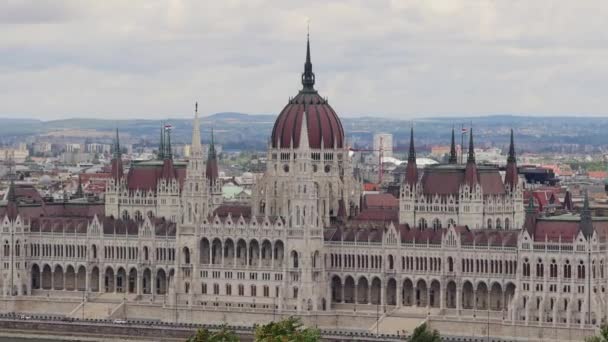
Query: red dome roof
(322, 122)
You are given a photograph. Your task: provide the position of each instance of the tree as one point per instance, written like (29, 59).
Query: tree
(423, 334)
(224, 334)
(602, 337)
(288, 330)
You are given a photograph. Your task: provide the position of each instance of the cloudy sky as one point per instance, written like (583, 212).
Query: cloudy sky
(153, 59)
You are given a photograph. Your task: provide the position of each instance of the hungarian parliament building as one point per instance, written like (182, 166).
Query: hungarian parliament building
(461, 241)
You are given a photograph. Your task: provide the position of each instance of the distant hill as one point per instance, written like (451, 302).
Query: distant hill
(251, 131)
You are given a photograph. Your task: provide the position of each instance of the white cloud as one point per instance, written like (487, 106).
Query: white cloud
(398, 58)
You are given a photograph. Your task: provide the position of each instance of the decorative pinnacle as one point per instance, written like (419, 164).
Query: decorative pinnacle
(511, 158)
(308, 77)
(453, 157)
(412, 153)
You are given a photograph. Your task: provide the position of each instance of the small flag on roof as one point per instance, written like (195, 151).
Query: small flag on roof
(168, 127)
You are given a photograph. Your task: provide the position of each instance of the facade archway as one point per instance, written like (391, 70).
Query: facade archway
(47, 278)
(496, 297)
(70, 278)
(35, 277)
(391, 292)
(279, 253)
(376, 291)
(58, 278)
(254, 253)
(132, 283)
(94, 281)
(266, 256)
(481, 298)
(336, 289)
(450, 297)
(362, 291)
(216, 252)
(109, 280)
(434, 294)
(467, 295)
(161, 282)
(349, 290)
(121, 280)
(81, 278)
(241, 252)
(205, 251)
(421, 293)
(408, 293)
(147, 281)
(229, 252)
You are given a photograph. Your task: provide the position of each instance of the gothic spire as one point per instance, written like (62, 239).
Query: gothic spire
(212, 172)
(117, 153)
(453, 157)
(308, 77)
(196, 149)
(161, 145)
(168, 154)
(411, 170)
(411, 157)
(511, 158)
(471, 157)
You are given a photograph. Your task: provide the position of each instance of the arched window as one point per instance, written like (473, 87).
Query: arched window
(498, 224)
(567, 269)
(526, 268)
(138, 215)
(581, 270)
(125, 215)
(489, 224)
(451, 223)
(507, 224)
(7, 248)
(294, 258)
(540, 269)
(553, 269)
(17, 249)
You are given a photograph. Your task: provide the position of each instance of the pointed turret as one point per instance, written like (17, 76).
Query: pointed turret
(470, 173)
(453, 156)
(168, 154)
(212, 172)
(308, 77)
(511, 177)
(304, 130)
(117, 169)
(196, 149)
(411, 170)
(586, 224)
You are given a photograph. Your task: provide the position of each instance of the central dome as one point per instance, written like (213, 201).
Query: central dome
(323, 124)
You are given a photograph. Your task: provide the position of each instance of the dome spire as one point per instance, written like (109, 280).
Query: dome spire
(308, 77)
(471, 157)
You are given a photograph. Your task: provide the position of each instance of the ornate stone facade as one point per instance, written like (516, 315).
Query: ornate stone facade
(458, 243)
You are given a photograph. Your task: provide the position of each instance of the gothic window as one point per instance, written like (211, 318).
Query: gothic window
(553, 269)
(436, 224)
(125, 215)
(507, 224)
(422, 224)
(581, 270)
(138, 215)
(294, 257)
(526, 270)
(489, 224)
(7, 249)
(567, 269)
(498, 224)
(540, 269)
(451, 223)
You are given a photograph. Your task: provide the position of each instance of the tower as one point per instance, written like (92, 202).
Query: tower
(408, 195)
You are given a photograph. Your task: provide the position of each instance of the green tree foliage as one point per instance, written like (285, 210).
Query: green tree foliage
(225, 334)
(602, 337)
(423, 334)
(287, 330)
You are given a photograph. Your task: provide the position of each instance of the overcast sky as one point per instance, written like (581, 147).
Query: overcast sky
(154, 59)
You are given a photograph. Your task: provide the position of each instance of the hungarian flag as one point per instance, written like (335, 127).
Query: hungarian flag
(168, 127)
(464, 130)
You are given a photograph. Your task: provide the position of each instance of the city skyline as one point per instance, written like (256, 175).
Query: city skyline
(409, 59)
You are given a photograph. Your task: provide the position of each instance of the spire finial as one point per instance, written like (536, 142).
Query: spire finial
(168, 154)
(308, 77)
(453, 157)
(161, 144)
(471, 158)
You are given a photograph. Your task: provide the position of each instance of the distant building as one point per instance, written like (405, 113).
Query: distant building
(384, 142)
